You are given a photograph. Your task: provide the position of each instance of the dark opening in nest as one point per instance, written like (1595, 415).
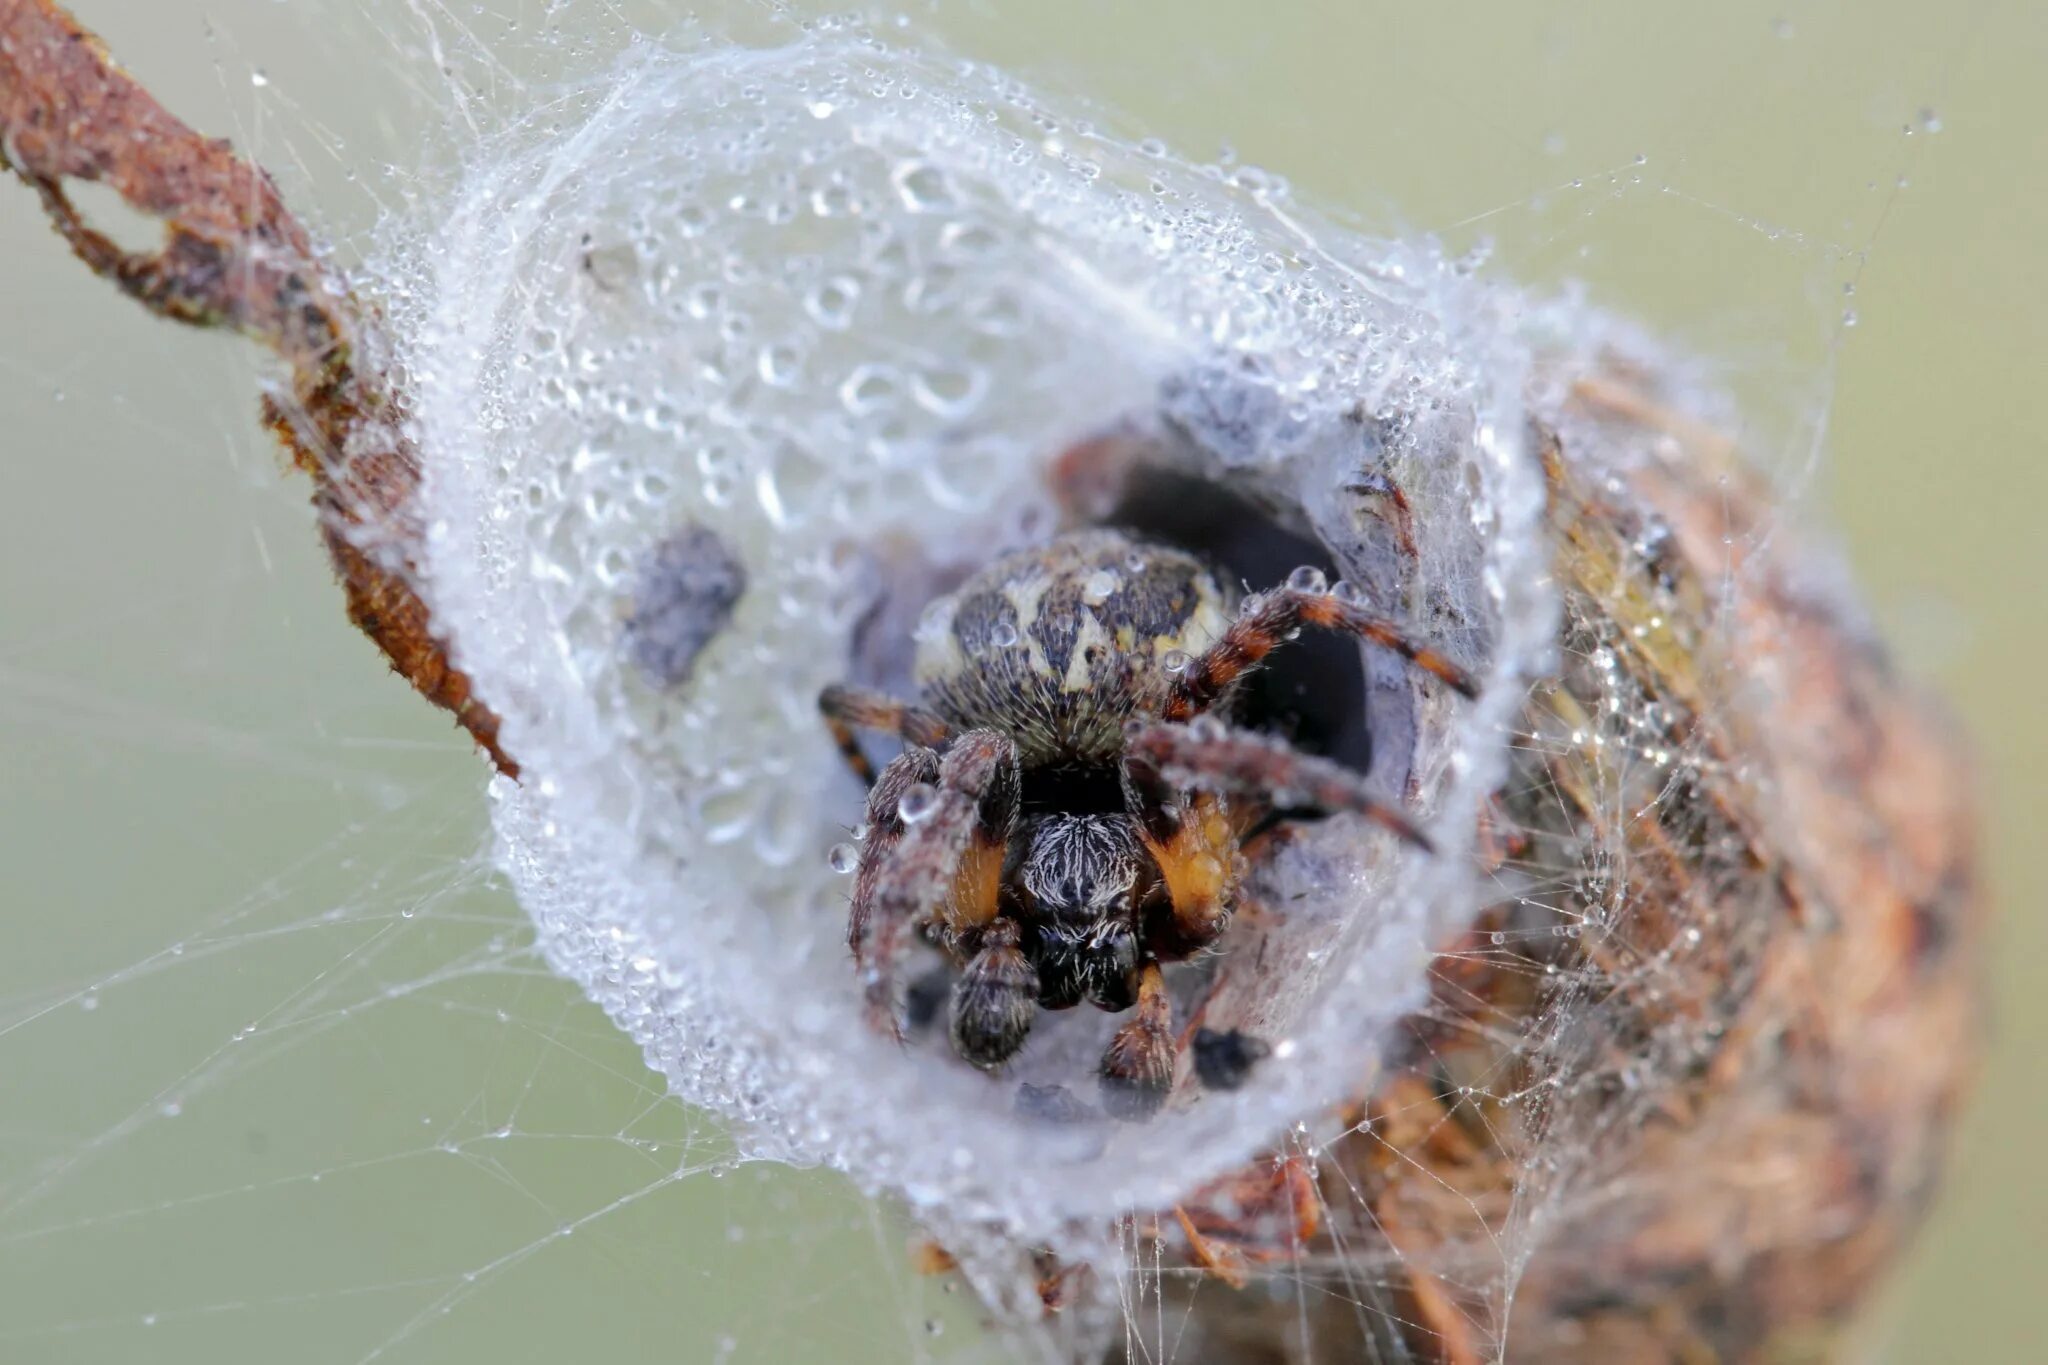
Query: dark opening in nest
(1311, 693)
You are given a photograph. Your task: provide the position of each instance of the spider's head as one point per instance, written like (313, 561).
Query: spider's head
(1084, 879)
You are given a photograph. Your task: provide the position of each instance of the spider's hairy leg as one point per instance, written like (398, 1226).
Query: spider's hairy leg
(939, 856)
(1090, 476)
(848, 709)
(1210, 756)
(995, 1000)
(979, 785)
(1269, 620)
(1192, 840)
(884, 828)
(1137, 1068)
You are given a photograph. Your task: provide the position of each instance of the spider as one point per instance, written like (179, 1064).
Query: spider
(1068, 810)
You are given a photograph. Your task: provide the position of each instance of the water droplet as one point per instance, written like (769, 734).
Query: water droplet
(832, 201)
(922, 187)
(779, 365)
(1002, 635)
(871, 388)
(843, 858)
(933, 622)
(258, 79)
(1099, 586)
(1308, 578)
(968, 241)
(831, 303)
(920, 799)
(1175, 661)
(948, 391)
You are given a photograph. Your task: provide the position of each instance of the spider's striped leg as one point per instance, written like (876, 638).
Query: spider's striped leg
(1269, 620)
(995, 1000)
(938, 829)
(848, 709)
(1209, 756)
(1091, 476)
(881, 832)
(1191, 836)
(1137, 1069)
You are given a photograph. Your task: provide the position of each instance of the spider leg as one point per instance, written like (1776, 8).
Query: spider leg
(1264, 1213)
(848, 709)
(995, 1000)
(1090, 476)
(883, 831)
(1137, 1068)
(1191, 838)
(1209, 756)
(937, 830)
(1220, 1259)
(1269, 620)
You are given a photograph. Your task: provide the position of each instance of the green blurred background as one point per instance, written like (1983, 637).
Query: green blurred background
(276, 1081)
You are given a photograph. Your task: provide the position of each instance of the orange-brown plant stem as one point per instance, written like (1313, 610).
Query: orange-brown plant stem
(234, 256)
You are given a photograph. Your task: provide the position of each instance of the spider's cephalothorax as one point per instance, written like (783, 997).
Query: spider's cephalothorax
(1066, 812)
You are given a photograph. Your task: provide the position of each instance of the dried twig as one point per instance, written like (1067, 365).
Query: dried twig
(234, 256)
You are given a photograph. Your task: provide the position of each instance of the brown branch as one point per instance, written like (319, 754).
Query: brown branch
(234, 256)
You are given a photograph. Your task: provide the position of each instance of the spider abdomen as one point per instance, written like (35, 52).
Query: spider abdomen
(1059, 645)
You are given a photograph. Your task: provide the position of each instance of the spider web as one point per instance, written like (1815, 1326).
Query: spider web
(288, 1074)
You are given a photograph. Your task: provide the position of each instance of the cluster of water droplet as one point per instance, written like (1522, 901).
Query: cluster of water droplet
(838, 304)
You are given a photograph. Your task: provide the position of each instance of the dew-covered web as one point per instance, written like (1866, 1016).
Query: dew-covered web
(291, 1071)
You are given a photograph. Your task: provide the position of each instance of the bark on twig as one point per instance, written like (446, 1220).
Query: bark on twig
(234, 256)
